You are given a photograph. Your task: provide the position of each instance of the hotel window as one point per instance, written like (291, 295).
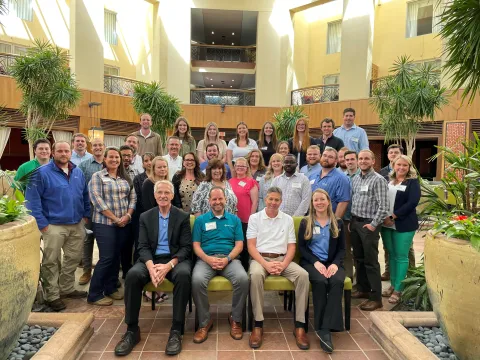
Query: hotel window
(22, 9)
(111, 70)
(331, 79)
(334, 37)
(435, 63)
(110, 27)
(423, 17)
(5, 48)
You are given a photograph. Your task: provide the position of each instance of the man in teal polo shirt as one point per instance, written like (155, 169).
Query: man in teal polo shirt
(42, 151)
(217, 242)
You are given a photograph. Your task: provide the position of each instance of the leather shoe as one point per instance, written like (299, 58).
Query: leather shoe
(235, 329)
(57, 305)
(371, 305)
(85, 278)
(301, 338)
(75, 294)
(174, 343)
(326, 342)
(256, 338)
(128, 342)
(360, 295)
(386, 276)
(202, 333)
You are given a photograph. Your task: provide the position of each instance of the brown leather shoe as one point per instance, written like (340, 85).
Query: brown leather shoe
(235, 328)
(85, 278)
(301, 338)
(371, 305)
(256, 338)
(386, 276)
(202, 333)
(360, 295)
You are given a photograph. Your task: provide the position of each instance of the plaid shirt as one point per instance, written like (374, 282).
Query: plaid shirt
(296, 193)
(108, 193)
(90, 167)
(370, 197)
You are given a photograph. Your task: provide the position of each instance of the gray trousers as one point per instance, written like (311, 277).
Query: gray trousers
(88, 243)
(203, 273)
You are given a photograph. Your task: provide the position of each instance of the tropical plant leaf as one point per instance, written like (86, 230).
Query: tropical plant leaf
(285, 121)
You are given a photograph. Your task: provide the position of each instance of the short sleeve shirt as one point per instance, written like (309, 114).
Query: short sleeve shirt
(241, 188)
(238, 151)
(335, 183)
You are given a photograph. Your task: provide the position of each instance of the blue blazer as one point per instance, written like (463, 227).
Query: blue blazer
(405, 206)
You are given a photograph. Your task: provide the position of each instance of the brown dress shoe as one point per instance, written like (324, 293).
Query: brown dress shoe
(301, 338)
(386, 276)
(256, 338)
(202, 333)
(235, 329)
(371, 305)
(360, 295)
(85, 278)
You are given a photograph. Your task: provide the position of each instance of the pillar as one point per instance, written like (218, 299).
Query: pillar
(357, 49)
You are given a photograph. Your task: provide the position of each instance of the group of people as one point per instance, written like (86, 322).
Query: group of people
(136, 202)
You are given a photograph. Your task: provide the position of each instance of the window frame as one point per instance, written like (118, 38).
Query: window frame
(328, 36)
(28, 11)
(114, 39)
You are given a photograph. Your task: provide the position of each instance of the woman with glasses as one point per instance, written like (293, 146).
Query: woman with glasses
(274, 169)
(183, 132)
(212, 136)
(256, 164)
(240, 146)
(186, 182)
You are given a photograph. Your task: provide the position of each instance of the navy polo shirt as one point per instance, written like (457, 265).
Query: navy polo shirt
(336, 184)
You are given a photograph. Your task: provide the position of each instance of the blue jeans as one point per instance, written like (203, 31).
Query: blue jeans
(110, 240)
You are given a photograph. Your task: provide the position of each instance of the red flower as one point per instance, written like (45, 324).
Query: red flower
(460, 217)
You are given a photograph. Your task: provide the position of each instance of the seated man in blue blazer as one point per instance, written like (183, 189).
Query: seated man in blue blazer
(164, 247)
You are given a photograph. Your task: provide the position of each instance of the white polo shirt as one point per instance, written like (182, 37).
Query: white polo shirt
(174, 165)
(273, 234)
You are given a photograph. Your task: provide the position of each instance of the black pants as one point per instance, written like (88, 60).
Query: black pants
(244, 255)
(135, 233)
(127, 251)
(365, 253)
(327, 298)
(138, 277)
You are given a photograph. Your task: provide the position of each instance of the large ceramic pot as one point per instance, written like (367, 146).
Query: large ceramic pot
(452, 269)
(19, 271)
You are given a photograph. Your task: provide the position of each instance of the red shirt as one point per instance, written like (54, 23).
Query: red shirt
(241, 188)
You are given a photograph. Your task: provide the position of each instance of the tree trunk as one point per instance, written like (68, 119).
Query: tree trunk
(410, 144)
(30, 149)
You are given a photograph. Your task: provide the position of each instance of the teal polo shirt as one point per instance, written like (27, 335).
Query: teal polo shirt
(217, 236)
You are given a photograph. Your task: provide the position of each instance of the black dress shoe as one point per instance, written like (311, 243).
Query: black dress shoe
(174, 343)
(326, 342)
(128, 342)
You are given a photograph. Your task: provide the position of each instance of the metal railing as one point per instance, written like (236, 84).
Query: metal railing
(222, 97)
(119, 85)
(224, 53)
(315, 94)
(6, 61)
(380, 83)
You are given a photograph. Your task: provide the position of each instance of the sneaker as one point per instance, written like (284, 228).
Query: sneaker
(75, 294)
(105, 301)
(85, 278)
(57, 305)
(115, 295)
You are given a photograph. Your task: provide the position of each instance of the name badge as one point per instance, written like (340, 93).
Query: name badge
(242, 184)
(264, 148)
(354, 139)
(364, 188)
(316, 230)
(401, 187)
(296, 185)
(210, 226)
(312, 181)
(181, 142)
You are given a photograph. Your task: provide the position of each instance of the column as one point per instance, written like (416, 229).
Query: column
(357, 49)
(86, 43)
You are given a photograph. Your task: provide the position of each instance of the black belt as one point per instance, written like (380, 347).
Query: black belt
(360, 219)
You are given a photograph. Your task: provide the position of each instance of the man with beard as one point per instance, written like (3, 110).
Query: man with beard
(333, 181)
(328, 139)
(341, 159)
(79, 152)
(313, 161)
(148, 140)
(137, 162)
(212, 152)
(127, 157)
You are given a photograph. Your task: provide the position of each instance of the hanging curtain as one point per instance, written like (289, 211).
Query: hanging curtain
(4, 135)
(62, 136)
(412, 18)
(114, 140)
(334, 43)
(438, 7)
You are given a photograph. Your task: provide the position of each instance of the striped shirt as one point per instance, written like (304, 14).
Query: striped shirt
(370, 197)
(109, 193)
(296, 193)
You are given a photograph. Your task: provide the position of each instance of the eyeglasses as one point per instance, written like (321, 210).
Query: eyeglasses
(240, 166)
(189, 160)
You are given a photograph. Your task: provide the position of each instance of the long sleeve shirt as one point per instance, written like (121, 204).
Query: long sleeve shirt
(296, 193)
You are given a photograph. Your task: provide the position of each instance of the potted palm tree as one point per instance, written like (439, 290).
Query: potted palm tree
(285, 121)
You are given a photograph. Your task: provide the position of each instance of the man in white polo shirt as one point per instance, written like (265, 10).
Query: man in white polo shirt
(271, 244)
(173, 158)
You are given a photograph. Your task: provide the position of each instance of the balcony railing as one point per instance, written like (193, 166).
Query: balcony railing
(315, 94)
(224, 53)
(222, 97)
(380, 83)
(6, 61)
(118, 85)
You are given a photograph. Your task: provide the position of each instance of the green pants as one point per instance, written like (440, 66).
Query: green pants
(398, 244)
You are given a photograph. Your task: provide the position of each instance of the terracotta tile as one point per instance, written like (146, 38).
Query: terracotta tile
(98, 342)
(161, 326)
(283, 314)
(357, 314)
(144, 324)
(91, 356)
(366, 324)
(309, 355)
(79, 306)
(272, 355)
(110, 326)
(165, 312)
(155, 355)
(287, 325)
(97, 323)
(343, 341)
(190, 325)
(366, 342)
(274, 341)
(376, 355)
(226, 342)
(209, 344)
(271, 325)
(197, 355)
(111, 356)
(237, 355)
(156, 342)
(146, 312)
(269, 312)
(110, 312)
(356, 327)
(117, 337)
(348, 355)
(292, 343)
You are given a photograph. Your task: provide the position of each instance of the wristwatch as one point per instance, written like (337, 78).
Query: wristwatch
(229, 259)
(171, 264)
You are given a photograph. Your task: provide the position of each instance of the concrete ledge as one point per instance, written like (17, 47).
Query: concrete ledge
(68, 342)
(388, 328)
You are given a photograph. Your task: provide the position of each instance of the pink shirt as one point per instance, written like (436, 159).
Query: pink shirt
(241, 188)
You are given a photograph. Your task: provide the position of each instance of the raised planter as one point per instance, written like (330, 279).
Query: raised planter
(452, 269)
(19, 270)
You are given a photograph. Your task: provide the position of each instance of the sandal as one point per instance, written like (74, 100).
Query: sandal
(388, 292)
(164, 296)
(147, 295)
(395, 298)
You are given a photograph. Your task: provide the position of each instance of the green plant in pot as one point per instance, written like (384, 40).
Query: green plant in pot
(285, 121)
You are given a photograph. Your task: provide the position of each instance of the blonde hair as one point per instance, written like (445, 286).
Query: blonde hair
(153, 177)
(249, 173)
(412, 172)
(206, 139)
(312, 216)
(269, 174)
(306, 138)
(261, 163)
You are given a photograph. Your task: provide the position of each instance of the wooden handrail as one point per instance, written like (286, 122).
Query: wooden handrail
(226, 90)
(224, 46)
(9, 54)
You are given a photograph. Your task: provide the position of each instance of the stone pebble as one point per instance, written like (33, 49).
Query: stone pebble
(31, 339)
(433, 338)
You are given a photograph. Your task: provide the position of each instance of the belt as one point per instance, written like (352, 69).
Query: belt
(357, 218)
(271, 255)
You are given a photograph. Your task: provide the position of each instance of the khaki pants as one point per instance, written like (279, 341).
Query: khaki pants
(59, 278)
(294, 273)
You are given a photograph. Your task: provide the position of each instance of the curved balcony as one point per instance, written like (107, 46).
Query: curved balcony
(315, 94)
(119, 85)
(223, 56)
(216, 96)
(6, 60)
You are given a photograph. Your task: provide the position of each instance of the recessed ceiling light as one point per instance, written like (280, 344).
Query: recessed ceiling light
(233, 43)
(211, 85)
(233, 33)
(231, 86)
(233, 80)
(213, 42)
(213, 32)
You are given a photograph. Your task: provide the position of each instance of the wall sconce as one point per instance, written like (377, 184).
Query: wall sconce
(222, 108)
(96, 133)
